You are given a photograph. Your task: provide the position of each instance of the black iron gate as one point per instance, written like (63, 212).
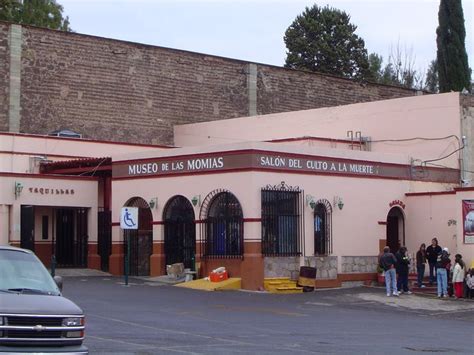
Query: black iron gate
(322, 228)
(282, 221)
(104, 238)
(27, 227)
(180, 232)
(71, 238)
(141, 239)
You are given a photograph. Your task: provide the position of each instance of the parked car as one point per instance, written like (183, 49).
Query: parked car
(34, 316)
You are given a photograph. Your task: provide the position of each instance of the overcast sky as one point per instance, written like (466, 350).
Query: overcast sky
(253, 30)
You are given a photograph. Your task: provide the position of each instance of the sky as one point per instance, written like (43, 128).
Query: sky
(253, 30)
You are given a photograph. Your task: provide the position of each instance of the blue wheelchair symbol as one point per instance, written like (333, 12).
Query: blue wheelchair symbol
(127, 219)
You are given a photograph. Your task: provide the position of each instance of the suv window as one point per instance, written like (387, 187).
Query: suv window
(23, 272)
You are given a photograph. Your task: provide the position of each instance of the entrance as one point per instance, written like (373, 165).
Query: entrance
(141, 239)
(395, 229)
(70, 243)
(27, 228)
(180, 232)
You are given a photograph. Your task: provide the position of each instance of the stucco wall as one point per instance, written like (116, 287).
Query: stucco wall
(430, 116)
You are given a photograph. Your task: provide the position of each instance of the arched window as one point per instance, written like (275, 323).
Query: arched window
(322, 228)
(223, 226)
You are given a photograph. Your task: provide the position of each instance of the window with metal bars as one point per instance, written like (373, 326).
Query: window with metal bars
(282, 223)
(322, 228)
(223, 227)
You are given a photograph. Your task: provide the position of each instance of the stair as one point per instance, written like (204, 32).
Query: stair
(427, 290)
(281, 285)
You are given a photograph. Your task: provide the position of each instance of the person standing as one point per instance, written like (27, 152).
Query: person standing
(432, 253)
(387, 262)
(441, 273)
(403, 262)
(458, 276)
(420, 264)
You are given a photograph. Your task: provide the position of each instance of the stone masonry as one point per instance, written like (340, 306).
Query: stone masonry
(326, 266)
(359, 264)
(114, 90)
(282, 267)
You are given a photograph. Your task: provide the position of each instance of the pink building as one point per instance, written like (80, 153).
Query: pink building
(261, 195)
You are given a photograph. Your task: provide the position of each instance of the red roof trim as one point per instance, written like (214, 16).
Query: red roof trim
(85, 140)
(49, 176)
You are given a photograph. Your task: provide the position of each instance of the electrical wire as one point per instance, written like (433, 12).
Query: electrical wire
(446, 156)
(93, 171)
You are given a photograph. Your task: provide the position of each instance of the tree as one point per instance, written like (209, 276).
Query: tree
(453, 68)
(323, 40)
(432, 82)
(375, 68)
(41, 13)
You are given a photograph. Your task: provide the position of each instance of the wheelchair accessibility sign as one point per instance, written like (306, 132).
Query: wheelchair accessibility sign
(129, 218)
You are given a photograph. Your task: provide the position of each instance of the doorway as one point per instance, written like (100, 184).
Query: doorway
(27, 227)
(141, 239)
(180, 232)
(395, 229)
(70, 243)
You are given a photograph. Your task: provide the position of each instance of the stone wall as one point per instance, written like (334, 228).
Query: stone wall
(359, 264)
(4, 76)
(282, 267)
(115, 90)
(326, 266)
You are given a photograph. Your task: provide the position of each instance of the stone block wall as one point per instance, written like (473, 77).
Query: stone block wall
(4, 76)
(326, 266)
(359, 264)
(115, 90)
(282, 267)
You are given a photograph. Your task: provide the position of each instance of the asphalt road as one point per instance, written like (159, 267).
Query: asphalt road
(148, 318)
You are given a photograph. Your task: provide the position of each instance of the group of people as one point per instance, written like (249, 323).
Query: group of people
(441, 269)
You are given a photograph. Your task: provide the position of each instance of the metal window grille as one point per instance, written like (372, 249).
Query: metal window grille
(223, 228)
(282, 222)
(322, 228)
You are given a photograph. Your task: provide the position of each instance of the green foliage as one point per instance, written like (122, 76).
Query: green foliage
(41, 13)
(375, 67)
(453, 68)
(323, 40)
(432, 81)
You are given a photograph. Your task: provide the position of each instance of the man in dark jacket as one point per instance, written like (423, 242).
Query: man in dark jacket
(403, 262)
(432, 253)
(387, 262)
(442, 273)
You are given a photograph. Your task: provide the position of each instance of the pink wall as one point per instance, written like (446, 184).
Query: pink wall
(422, 116)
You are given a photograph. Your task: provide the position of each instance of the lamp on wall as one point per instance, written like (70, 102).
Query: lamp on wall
(196, 200)
(153, 203)
(310, 201)
(338, 202)
(18, 189)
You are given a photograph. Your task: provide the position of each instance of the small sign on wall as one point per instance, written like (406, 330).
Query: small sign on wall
(468, 221)
(129, 218)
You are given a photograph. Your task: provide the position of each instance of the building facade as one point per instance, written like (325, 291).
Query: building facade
(260, 195)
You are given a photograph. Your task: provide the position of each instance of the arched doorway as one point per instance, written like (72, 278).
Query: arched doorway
(322, 228)
(141, 239)
(395, 229)
(180, 232)
(222, 226)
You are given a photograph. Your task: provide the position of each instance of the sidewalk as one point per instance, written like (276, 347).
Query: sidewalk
(420, 302)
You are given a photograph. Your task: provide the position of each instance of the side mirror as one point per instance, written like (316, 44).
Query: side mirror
(59, 282)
